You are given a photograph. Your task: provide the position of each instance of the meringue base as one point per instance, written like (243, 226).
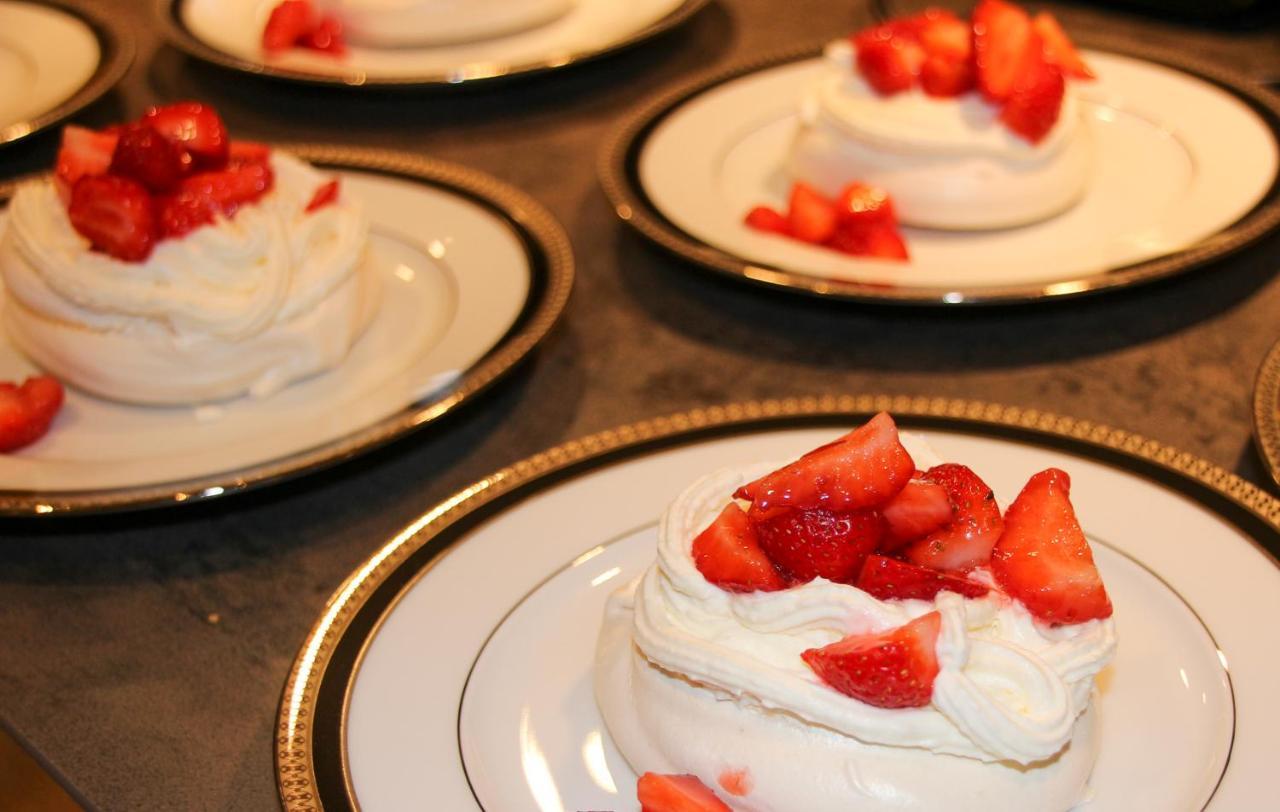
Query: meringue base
(410, 23)
(663, 723)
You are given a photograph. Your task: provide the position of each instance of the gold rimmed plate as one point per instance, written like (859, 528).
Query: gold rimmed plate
(435, 671)
(475, 274)
(1186, 164)
(1266, 411)
(55, 58)
(229, 33)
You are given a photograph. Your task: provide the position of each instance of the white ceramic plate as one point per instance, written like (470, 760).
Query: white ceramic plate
(230, 32)
(465, 678)
(53, 61)
(1179, 161)
(461, 274)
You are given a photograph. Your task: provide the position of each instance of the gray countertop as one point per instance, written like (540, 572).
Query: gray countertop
(142, 656)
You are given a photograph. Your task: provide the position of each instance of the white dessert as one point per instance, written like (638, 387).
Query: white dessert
(245, 305)
(691, 678)
(402, 23)
(947, 162)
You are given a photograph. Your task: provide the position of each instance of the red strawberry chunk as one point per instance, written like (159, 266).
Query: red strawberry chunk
(729, 555)
(1036, 97)
(890, 579)
(808, 544)
(326, 195)
(877, 242)
(83, 152)
(200, 198)
(676, 793)
(326, 36)
(27, 411)
(889, 64)
(117, 215)
(1001, 35)
(1058, 48)
(943, 34)
(248, 152)
(966, 541)
(863, 206)
(196, 127)
(865, 468)
(288, 24)
(148, 157)
(1043, 558)
(919, 508)
(811, 217)
(763, 218)
(944, 78)
(891, 669)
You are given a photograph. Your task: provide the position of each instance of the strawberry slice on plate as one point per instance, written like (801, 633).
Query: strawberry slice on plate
(1001, 35)
(288, 24)
(326, 36)
(1043, 558)
(890, 669)
(202, 197)
(676, 793)
(891, 579)
(248, 152)
(326, 195)
(195, 127)
(808, 544)
(945, 78)
(863, 206)
(82, 152)
(865, 468)
(117, 215)
(943, 34)
(876, 242)
(148, 157)
(729, 555)
(1035, 100)
(771, 221)
(919, 508)
(1058, 48)
(811, 217)
(889, 62)
(966, 541)
(27, 411)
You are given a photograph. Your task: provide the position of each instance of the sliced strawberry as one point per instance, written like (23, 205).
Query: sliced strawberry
(117, 215)
(83, 152)
(944, 78)
(892, 669)
(1043, 558)
(27, 411)
(736, 782)
(326, 36)
(878, 242)
(248, 152)
(919, 508)
(1058, 48)
(811, 217)
(889, 64)
(202, 197)
(728, 554)
(865, 468)
(966, 541)
(1036, 98)
(195, 127)
(763, 218)
(891, 579)
(860, 206)
(676, 793)
(808, 544)
(943, 34)
(148, 157)
(326, 195)
(1001, 35)
(288, 24)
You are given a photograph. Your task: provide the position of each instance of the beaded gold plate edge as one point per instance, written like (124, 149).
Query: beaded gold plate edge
(178, 35)
(618, 176)
(117, 52)
(1266, 412)
(551, 260)
(310, 764)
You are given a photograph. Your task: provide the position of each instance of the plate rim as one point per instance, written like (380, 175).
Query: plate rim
(311, 692)
(117, 51)
(552, 264)
(618, 173)
(1266, 412)
(175, 33)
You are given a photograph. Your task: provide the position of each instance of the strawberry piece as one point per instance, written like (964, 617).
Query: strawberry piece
(729, 555)
(248, 152)
(879, 242)
(862, 206)
(117, 215)
(763, 218)
(148, 157)
(943, 34)
(865, 468)
(1043, 558)
(83, 152)
(1058, 48)
(202, 197)
(195, 127)
(326, 36)
(891, 669)
(891, 579)
(1036, 98)
(919, 508)
(288, 24)
(676, 793)
(326, 195)
(966, 541)
(1001, 35)
(945, 78)
(27, 411)
(808, 544)
(811, 217)
(889, 64)
(736, 782)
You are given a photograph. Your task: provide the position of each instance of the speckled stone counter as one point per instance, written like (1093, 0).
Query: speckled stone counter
(142, 657)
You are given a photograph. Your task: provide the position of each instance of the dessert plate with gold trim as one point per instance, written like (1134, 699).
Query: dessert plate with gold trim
(454, 667)
(1266, 412)
(55, 58)
(475, 274)
(1185, 172)
(229, 33)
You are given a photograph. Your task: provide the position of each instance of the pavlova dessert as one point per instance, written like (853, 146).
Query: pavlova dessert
(164, 263)
(962, 124)
(861, 629)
